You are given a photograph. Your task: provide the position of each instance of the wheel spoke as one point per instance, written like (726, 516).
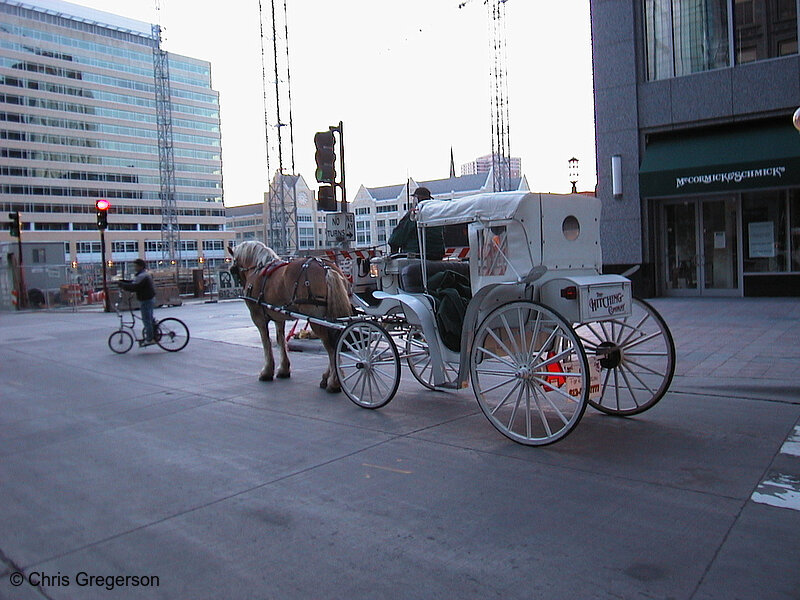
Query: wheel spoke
(499, 341)
(552, 387)
(493, 355)
(506, 397)
(499, 385)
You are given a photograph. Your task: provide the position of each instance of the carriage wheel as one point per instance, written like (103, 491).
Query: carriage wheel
(529, 373)
(171, 334)
(419, 359)
(637, 359)
(120, 341)
(368, 364)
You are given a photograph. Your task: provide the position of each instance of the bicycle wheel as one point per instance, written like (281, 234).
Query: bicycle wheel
(120, 341)
(171, 334)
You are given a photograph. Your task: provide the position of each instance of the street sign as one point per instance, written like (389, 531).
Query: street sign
(340, 226)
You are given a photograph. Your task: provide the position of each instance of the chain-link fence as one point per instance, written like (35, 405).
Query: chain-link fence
(68, 286)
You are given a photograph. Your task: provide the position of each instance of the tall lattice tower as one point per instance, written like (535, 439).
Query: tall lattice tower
(498, 93)
(277, 92)
(170, 232)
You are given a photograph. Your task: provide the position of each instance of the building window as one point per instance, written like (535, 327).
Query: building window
(764, 222)
(685, 36)
(209, 245)
(38, 255)
(125, 247)
(387, 208)
(764, 29)
(87, 247)
(363, 210)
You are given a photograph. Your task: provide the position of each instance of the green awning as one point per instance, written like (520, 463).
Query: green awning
(722, 160)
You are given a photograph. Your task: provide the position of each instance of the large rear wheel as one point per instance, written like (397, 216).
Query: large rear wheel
(637, 360)
(529, 373)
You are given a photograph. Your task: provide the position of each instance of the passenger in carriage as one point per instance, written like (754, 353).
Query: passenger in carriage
(404, 237)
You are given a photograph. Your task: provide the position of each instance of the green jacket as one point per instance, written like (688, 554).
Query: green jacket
(404, 239)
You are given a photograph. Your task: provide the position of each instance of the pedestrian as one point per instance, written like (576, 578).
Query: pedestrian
(145, 290)
(404, 236)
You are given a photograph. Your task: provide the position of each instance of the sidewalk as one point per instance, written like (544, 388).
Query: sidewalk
(749, 347)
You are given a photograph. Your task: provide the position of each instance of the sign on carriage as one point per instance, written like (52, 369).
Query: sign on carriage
(340, 226)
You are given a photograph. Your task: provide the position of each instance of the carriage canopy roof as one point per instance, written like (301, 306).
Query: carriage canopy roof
(496, 206)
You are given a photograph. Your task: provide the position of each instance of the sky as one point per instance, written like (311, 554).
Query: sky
(409, 79)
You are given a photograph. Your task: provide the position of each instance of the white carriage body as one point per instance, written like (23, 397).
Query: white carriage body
(511, 233)
(530, 342)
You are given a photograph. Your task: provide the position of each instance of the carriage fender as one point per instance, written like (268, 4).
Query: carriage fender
(418, 311)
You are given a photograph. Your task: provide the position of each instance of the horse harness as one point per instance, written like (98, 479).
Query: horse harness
(302, 281)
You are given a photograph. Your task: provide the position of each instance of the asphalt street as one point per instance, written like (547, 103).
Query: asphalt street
(180, 475)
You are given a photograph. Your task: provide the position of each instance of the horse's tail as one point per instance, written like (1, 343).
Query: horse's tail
(338, 295)
(338, 299)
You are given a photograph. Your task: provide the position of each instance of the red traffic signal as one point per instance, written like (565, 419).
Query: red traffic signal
(102, 206)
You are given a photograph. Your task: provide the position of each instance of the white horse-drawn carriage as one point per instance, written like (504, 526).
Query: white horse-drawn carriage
(542, 332)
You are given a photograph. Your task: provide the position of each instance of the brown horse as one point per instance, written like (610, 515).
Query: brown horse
(310, 286)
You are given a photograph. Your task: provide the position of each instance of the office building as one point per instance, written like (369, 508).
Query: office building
(697, 159)
(79, 121)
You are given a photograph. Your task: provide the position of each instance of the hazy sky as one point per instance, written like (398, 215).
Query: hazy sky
(409, 79)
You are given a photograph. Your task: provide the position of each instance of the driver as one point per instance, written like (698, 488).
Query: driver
(404, 237)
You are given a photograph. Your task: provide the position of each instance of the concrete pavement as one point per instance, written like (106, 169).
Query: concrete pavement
(183, 468)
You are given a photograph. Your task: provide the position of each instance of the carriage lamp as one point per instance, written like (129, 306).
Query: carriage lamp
(74, 264)
(796, 119)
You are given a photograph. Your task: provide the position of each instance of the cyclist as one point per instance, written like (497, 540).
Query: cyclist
(145, 290)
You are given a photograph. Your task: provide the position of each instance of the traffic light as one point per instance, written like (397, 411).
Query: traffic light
(102, 213)
(13, 226)
(325, 156)
(326, 199)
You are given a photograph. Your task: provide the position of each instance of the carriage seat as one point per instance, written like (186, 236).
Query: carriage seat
(411, 274)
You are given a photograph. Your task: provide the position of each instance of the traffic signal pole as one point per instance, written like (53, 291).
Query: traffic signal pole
(106, 302)
(345, 243)
(15, 229)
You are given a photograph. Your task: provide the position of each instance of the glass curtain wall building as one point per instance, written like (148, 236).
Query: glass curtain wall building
(78, 122)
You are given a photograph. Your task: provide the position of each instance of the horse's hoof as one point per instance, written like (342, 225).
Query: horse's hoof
(263, 377)
(283, 375)
(333, 390)
(323, 384)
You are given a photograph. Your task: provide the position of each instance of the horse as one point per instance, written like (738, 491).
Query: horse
(312, 286)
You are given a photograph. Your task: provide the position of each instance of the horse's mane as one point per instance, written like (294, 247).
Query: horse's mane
(253, 253)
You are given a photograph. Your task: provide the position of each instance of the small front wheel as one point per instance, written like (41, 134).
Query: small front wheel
(120, 341)
(171, 334)
(368, 364)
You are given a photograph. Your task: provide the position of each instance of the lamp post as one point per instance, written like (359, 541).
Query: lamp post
(573, 173)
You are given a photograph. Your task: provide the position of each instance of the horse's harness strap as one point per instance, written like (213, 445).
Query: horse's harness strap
(310, 298)
(276, 264)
